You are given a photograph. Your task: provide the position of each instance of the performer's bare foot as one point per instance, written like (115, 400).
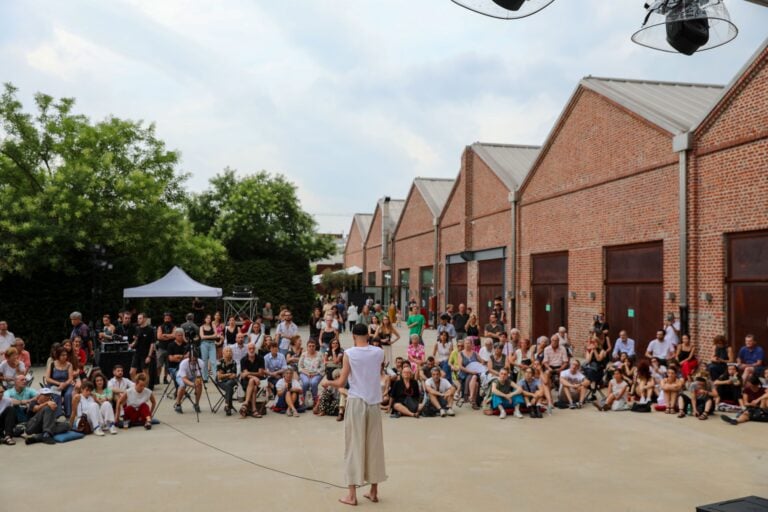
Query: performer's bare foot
(373, 494)
(346, 500)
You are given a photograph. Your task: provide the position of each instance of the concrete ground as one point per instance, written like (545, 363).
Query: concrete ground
(575, 460)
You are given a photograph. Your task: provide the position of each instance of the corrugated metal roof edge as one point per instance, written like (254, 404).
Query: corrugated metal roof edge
(496, 167)
(378, 205)
(653, 82)
(433, 207)
(599, 85)
(731, 86)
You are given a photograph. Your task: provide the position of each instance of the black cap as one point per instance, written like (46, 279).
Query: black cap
(360, 330)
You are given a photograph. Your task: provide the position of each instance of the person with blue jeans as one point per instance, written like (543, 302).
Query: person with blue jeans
(61, 377)
(311, 369)
(208, 338)
(506, 394)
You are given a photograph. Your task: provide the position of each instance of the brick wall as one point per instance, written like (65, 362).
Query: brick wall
(414, 240)
(728, 185)
(477, 217)
(607, 178)
(452, 228)
(354, 251)
(373, 250)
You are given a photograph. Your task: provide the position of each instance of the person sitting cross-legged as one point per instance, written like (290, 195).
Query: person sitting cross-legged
(533, 393)
(728, 385)
(440, 392)
(118, 384)
(190, 374)
(573, 382)
(99, 415)
(506, 394)
(618, 389)
(139, 403)
(289, 392)
(701, 401)
(755, 402)
(42, 425)
(406, 394)
(227, 378)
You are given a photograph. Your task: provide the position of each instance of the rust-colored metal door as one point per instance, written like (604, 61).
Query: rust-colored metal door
(457, 284)
(490, 277)
(634, 291)
(549, 293)
(747, 279)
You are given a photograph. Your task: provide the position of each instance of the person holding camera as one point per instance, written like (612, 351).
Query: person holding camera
(190, 374)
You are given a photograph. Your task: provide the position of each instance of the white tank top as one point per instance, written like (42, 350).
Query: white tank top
(365, 370)
(443, 352)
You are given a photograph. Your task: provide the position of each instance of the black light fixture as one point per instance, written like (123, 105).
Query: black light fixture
(685, 26)
(504, 9)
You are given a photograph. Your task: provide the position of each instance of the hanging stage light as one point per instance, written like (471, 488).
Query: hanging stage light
(504, 9)
(685, 26)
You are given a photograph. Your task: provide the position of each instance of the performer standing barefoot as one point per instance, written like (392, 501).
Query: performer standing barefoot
(363, 437)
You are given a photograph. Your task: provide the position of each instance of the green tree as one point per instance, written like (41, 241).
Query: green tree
(67, 184)
(258, 216)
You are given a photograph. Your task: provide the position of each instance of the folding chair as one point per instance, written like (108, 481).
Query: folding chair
(222, 395)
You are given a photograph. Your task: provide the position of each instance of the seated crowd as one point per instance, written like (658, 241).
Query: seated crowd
(494, 370)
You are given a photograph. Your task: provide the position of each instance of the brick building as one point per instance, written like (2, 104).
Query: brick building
(378, 254)
(598, 212)
(728, 212)
(354, 251)
(415, 239)
(476, 237)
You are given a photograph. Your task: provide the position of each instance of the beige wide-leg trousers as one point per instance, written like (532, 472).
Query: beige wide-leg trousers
(363, 443)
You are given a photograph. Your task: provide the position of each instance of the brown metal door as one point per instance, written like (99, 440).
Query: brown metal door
(490, 285)
(549, 293)
(457, 284)
(747, 278)
(634, 295)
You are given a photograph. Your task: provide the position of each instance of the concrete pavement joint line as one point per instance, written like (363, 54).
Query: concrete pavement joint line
(243, 459)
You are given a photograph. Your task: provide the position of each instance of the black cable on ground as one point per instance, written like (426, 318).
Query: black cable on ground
(247, 461)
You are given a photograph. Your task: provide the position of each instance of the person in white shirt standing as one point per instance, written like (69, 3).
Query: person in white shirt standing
(285, 331)
(363, 435)
(672, 330)
(352, 316)
(6, 338)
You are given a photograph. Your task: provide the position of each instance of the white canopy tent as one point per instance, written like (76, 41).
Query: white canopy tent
(350, 271)
(176, 283)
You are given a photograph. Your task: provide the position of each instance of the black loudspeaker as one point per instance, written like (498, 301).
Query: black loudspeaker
(510, 5)
(687, 36)
(747, 504)
(107, 360)
(467, 255)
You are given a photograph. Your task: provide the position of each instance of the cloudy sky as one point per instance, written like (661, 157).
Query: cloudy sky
(351, 99)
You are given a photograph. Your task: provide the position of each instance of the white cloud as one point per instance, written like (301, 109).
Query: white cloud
(349, 99)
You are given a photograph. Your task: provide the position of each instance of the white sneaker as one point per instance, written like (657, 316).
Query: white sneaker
(97, 431)
(517, 413)
(450, 412)
(442, 413)
(502, 413)
(113, 430)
